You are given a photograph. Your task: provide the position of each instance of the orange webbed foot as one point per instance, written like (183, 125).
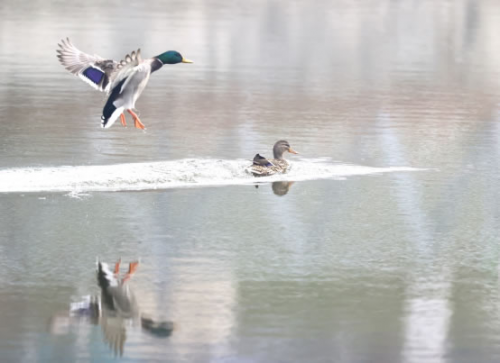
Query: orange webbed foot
(122, 119)
(131, 270)
(137, 122)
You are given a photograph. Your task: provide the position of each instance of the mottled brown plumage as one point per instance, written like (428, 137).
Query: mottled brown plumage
(265, 167)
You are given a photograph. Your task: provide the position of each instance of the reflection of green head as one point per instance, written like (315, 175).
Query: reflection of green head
(172, 57)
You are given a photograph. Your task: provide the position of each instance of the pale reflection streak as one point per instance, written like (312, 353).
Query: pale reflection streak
(496, 133)
(200, 298)
(286, 217)
(427, 309)
(62, 324)
(205, 310)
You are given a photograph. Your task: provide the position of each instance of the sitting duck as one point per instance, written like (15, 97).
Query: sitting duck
(264, 167)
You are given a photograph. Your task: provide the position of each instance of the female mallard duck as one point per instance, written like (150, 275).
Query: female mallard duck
(264, 167)
(124, 81)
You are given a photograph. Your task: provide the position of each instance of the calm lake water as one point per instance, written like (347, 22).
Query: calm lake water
(386, 247)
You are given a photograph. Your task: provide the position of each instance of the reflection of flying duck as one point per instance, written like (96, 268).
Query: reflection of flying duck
(119, 303)
(124, 81)
(116, 293)
(115, 309)
(264, 167)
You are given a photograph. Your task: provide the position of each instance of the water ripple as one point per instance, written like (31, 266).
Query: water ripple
(169, 174)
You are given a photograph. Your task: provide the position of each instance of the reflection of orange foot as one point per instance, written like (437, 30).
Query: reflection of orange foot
(133, 267)
(137, 121)
(122, 119)
(117, 267)
(131, 270)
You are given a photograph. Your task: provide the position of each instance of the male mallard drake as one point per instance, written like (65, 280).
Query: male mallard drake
(124, 81)
(264, 167)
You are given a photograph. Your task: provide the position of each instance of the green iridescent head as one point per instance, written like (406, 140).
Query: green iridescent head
(172, 57)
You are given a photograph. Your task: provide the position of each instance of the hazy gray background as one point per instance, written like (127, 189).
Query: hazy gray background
(398, 267)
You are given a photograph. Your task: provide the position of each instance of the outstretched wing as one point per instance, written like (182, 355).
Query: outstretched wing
(125, 68)
(115, 333)
(92, 69)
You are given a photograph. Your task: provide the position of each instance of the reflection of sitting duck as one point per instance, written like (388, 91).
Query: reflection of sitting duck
(264, 167)
(280, 188)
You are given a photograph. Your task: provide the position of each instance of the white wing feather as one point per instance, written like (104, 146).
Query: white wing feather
(76, 62)
(126, 68)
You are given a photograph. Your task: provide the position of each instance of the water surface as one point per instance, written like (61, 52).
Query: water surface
(366, 266)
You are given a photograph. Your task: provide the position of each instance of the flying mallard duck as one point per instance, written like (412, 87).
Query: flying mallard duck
(264, 167)
(124, 81)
